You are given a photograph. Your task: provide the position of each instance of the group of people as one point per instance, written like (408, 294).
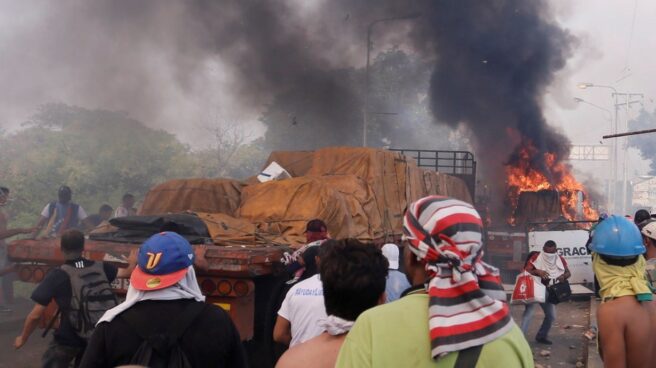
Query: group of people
(447, 308)
(624, 265)
(63, 214)
(348, 304)
(623, 256)
(96, 331)
(55, 218)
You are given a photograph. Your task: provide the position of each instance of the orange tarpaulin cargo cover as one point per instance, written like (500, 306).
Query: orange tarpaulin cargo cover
(196, 195)
(284, 207)
(394, 181)
(361, 203)
(385, 171)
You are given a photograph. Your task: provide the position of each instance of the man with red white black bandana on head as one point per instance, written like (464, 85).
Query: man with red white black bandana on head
(455, 314)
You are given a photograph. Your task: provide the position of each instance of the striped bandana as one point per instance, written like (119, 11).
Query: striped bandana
(467, 302)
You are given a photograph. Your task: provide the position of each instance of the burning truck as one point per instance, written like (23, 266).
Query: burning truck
(543, 201)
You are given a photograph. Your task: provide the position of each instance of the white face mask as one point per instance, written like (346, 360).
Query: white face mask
(550, 257)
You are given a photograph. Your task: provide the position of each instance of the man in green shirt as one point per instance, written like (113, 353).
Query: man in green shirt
(468, 325)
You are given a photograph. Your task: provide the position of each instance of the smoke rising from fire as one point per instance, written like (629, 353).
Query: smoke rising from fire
(495, 60)
(157, 60)
(166, 62)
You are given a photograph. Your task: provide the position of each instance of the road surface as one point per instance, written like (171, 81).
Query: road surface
(569, 345)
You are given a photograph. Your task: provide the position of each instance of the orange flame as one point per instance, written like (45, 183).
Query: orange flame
(522, 177)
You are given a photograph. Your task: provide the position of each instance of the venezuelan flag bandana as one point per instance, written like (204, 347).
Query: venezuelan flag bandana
(466, 299)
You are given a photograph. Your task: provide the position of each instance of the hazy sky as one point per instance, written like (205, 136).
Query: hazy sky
(610, 52)
(615, 47)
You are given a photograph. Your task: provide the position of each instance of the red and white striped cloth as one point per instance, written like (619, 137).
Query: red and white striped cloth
(467, 304)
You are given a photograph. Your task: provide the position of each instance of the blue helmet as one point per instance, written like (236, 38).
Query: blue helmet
(617, 236)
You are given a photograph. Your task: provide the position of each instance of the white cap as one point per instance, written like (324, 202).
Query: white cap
(648, 230)
(391, 252)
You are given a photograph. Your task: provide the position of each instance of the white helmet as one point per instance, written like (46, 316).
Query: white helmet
(649, 230)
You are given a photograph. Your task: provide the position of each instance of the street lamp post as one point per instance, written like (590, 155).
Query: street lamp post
(615, 95)
(365, 121)
(609, 201)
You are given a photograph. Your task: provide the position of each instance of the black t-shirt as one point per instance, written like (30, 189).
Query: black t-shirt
(95, 219)
(212, 340)
(56, 285)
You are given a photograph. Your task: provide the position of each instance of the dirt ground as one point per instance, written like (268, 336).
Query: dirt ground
(569, 345)
(11, 325)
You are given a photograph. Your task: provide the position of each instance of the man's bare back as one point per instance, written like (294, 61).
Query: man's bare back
(319, 352)
(627, 333)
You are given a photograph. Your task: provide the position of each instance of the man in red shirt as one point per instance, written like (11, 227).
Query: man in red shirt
(550, 267)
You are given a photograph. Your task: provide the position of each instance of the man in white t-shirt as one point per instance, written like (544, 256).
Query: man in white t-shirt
(127, 206)
(61, 215)
(300, 312)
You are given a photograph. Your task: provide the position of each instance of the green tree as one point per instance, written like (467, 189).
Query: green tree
(244, 161)
(99, 154)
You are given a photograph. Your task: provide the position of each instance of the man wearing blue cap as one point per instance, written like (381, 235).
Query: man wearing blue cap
(164, 316)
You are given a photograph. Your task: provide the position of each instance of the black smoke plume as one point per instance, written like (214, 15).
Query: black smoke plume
(495, 60)
(156, 60)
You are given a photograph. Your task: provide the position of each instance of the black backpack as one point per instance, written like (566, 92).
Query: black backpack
(91, 297)
(163, 349)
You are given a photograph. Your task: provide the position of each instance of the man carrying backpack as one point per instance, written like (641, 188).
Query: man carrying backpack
(164, 321)
(81, 290)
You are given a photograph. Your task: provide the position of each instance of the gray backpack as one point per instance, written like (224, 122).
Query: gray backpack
(91, 297)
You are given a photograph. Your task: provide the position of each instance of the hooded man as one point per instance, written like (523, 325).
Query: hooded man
(549, 267)
(164, 310)
(627, 315)
(455, 313)
(397, 282)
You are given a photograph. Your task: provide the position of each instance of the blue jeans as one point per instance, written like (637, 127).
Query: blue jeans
(549, 317)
